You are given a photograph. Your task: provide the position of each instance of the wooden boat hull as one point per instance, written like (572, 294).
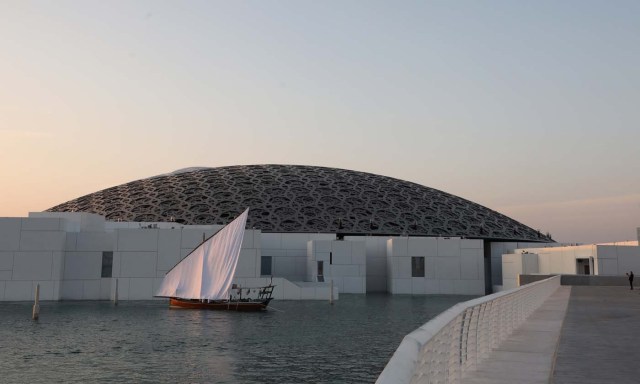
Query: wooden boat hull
(222, 305)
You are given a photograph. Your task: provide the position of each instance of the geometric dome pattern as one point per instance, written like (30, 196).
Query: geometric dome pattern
(300, 199)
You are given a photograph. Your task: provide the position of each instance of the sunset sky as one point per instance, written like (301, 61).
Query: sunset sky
(529, 108)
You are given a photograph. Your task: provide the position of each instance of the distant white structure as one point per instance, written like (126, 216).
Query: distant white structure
(79, 256)
(606, 259)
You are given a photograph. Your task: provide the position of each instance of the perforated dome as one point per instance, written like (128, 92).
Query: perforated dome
(294, 198)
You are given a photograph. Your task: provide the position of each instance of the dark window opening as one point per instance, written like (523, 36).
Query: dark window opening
(265, 265)
(320, 271)
(107, 264)
(417, 266)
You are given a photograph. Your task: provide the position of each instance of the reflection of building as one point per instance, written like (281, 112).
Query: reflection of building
(307, 226)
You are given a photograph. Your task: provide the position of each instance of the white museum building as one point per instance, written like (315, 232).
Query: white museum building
(308, 228)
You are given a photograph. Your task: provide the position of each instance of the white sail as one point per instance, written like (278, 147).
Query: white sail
(207, 272)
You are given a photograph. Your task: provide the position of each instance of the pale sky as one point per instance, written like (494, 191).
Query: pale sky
(529, 108)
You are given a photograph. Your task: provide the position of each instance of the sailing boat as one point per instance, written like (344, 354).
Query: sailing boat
(203, 279)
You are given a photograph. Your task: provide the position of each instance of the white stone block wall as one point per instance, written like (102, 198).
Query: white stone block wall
(628, 259)
(74, 221)
(530, 264)
(135, 261)
(63, 253)
(608, 260)
(83, 262)
(344, 263)
(31, 253)
(560, 259)
(10, 234)
(515, 264)
(169, 250)
(500, 248)
(248, 262)
(288, 252)
(452, 265)
(375, 249)
(617, 260)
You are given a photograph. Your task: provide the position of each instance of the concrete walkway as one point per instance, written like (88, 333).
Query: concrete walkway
(596, 342)
(527, 356)
(600, 337)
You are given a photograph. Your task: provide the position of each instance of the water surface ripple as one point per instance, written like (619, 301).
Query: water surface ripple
(146, 342)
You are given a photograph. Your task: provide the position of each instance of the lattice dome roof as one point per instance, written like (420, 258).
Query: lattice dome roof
(293, 198)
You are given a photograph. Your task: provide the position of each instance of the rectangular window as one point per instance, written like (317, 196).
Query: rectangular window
(320, 271)
(265, 266)
(107, 264)
(417, 266)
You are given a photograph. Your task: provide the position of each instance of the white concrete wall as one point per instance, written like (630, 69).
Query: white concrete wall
(288, 252)
(560, 259)
(376, 254)
(500, 248)
(609, 260)
(31, 253)
(511, 267)
(344, 262)
(625, 243)
(452, 265)
(617, 260)
(550, 260)
(75, 221)
(63, 253)
(530, 264)
(83, 264)
(515, 264)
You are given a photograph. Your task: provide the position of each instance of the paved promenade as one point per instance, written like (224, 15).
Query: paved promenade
(581, 334)
(600, 337)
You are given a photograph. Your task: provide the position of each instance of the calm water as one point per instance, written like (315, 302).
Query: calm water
(296, 342)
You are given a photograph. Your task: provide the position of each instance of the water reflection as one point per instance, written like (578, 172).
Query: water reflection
(301, 341)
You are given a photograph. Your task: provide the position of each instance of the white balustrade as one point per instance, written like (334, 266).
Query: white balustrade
(452, 344)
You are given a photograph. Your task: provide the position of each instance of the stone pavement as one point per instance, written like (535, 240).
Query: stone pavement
(600, 340)
(527, 355)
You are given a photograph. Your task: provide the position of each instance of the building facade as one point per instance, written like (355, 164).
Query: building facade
(309, 228)
(80, 256)
(608, 259)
